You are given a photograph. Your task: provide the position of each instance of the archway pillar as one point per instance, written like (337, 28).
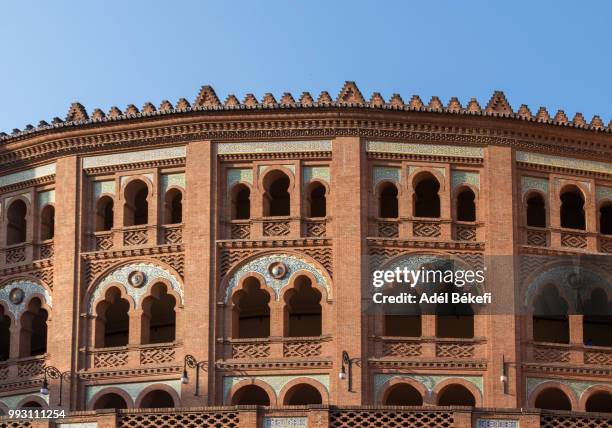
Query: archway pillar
(135, 329)
(576, 338)
(15, 331)
(277, 325)
(428, 329)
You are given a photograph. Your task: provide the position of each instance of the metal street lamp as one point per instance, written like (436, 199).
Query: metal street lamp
(347, 362)
(190, 361)
(54, 373)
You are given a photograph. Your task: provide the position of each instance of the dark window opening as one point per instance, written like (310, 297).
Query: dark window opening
(157, 400)
(47, 223)
(572, 210)
(303, 309)
(113, 321)
(466, 206)
(426, 198)
(387, 202)
(454, 320)
(403, 394)
(318, 202)
(251, 395)
(5, 335)
(105, 213)
(174, 206)
(597, 319)
(456, 395)
(277, 201)
(303, 395)
(550, 319)
(605, 220)
(110, 401)
(599, 402)
(33, 337)
(553, 399)
(17, 224)
(31, 405)
(536, 211)
(136, 209)
(251, 312)
(402, 325)
(159, 316)
(241, 202)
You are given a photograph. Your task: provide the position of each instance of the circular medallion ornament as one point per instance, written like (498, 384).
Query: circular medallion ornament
(16, 296)
(277, 270)
(574, 280)
(136, 279)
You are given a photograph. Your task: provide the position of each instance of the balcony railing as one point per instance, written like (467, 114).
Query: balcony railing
(314, 227)
(276, 347)
(16, 254)
(135, 235)
(20, 368)
(429, 347)
(536, 236)
(605, 244)
(46, 249)
(546, 352)
(172, 234)
(132, 355)
(276, 226)
(102, 241)
(240, 229)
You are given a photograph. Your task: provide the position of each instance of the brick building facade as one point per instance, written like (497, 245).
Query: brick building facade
(218, 255)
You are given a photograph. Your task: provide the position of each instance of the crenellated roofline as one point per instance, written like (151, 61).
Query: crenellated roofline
(349, 96)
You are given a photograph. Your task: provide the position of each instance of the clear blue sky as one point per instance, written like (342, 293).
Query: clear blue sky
(557, 54)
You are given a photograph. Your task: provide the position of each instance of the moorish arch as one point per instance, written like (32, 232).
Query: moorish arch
(136, 278)
(289, 266)
(15, 294)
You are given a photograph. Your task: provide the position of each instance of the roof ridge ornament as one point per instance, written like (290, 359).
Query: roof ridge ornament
(498, 104)
(350, 94)
(207, 98)
(76, 113)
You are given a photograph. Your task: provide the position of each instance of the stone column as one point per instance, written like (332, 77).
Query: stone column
(62, 328)
(199, 283)
(350, 281)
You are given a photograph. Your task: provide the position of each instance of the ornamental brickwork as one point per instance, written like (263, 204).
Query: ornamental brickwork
(209, 256)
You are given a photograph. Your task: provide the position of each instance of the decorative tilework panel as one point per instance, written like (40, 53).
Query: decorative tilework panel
(260, 266)
(169, 180)
(133, 389)
(120, 276)
(428, 381)
(29, 288)
(425, 149)
(603, 193)
(316, 172)
(274, 147)
(12, 401)
(44, 198)
(101, 187)
(381, 173)
(465, 177)
(263, 168)
(126, 178)
(533, 183)
(277, 383)
(134, 157)
(28, 174)
(562, 162)
(575, 385)
(236, 175)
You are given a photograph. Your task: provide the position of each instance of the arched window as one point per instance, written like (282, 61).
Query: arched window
(31, 405)
(251, 313)
(605, 219)
(387, 201)
(104, 214)
(5, 335)
(47, 223)
(466, 206)
(241, 202)
(136, 208)
(454, 320)
(426, 198)
(302, 395)
(401, 320)
(110, 401)
(251, 395)
(159, 316)
(157, 399)
(553, 399)
(16, 227)
(456, 395)
(600, 401)
(33, 336)
(303, 309)
(536, 211)
(277, 201)
(317, 201)
(403, 394)
(550, 320)
(113, 321)
(597, 319)
(174, 207)
(572, 209)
